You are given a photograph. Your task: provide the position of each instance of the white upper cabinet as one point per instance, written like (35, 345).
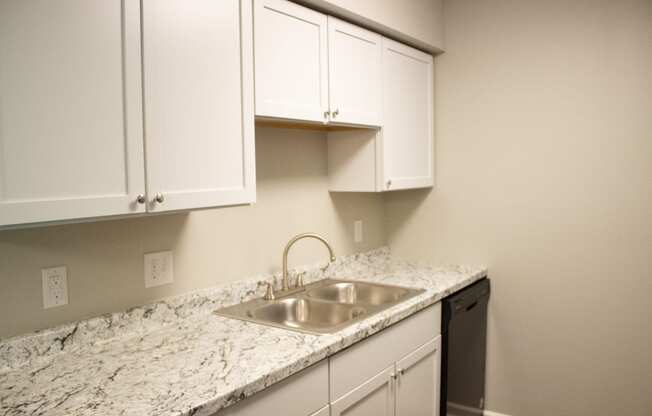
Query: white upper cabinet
(72, 86)
(314, 68)
(354, 74)
(408, 112)
(70, 110)
(401, 154)
(291, 50)
(198, 89)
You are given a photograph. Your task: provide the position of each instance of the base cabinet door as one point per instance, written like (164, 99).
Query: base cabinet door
(417, 385)
(298, 395)
(373, 398)
(71, 143)
(324, 411)
(198, 89)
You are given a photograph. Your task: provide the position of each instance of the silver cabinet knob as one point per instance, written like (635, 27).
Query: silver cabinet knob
(326, 115)
(336, 112)
(159, 198)
(141, 199)
(389, 183)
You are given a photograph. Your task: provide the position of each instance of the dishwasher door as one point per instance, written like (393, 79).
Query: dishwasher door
(464, 344)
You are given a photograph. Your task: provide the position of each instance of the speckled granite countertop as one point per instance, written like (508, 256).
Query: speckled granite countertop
(176, 358)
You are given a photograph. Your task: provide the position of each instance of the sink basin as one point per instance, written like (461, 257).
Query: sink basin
(359, 293)
(306, 313)
(323, 307)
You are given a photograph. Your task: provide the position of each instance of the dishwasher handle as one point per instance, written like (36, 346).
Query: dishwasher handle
(466, 300)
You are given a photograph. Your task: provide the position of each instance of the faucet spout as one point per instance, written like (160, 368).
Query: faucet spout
(290, 243)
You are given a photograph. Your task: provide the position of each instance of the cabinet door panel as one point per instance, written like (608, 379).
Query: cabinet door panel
(324, 411)
(299, 395)
(417, 392)
(408, 129)
(354, 74)
(70, 110)
(291, 61)
(198, 102)
(373, 398)
(354, 365)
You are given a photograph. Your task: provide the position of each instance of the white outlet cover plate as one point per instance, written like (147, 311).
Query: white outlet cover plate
(357, 231)
(55, 286)
(158, 269)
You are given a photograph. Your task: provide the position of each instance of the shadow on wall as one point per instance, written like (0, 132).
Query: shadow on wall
(284, 154)
(405, 207)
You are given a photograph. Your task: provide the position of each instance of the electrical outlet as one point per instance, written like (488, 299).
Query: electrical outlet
(357, 231)
(55, 286)
(158, 269)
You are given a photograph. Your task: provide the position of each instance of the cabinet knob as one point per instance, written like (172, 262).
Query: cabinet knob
(141, 199)
(336, 112)
(389, 183)
(326, 115)
(159, 198)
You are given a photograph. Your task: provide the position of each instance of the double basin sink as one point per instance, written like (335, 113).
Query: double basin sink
(323, 307)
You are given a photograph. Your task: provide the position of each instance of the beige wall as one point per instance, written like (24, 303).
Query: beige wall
(544, 173)
(105, 259)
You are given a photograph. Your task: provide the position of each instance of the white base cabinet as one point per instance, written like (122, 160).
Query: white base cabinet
(418, 381)
(324, 411)
(303, 394)
(393, 373)
(373, 397)
(405, 362)
(410, 387)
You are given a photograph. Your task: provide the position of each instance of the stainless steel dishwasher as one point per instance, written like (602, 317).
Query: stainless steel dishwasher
(464, 344)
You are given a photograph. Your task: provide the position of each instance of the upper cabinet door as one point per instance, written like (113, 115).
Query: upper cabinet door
(354, 74)
(70, 110)
(408, 129)
(291, 61)
(198, 89)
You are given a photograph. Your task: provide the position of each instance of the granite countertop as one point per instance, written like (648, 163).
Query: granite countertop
(176, 358)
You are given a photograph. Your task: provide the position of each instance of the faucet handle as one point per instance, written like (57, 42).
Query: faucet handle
(299, 281)
(269, 293)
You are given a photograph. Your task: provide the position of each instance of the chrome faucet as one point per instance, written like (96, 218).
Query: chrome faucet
(285, 283)
(290, 243)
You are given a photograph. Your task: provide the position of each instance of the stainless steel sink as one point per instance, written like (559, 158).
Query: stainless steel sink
(359, 293)
(322, 307)
(308, 314)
